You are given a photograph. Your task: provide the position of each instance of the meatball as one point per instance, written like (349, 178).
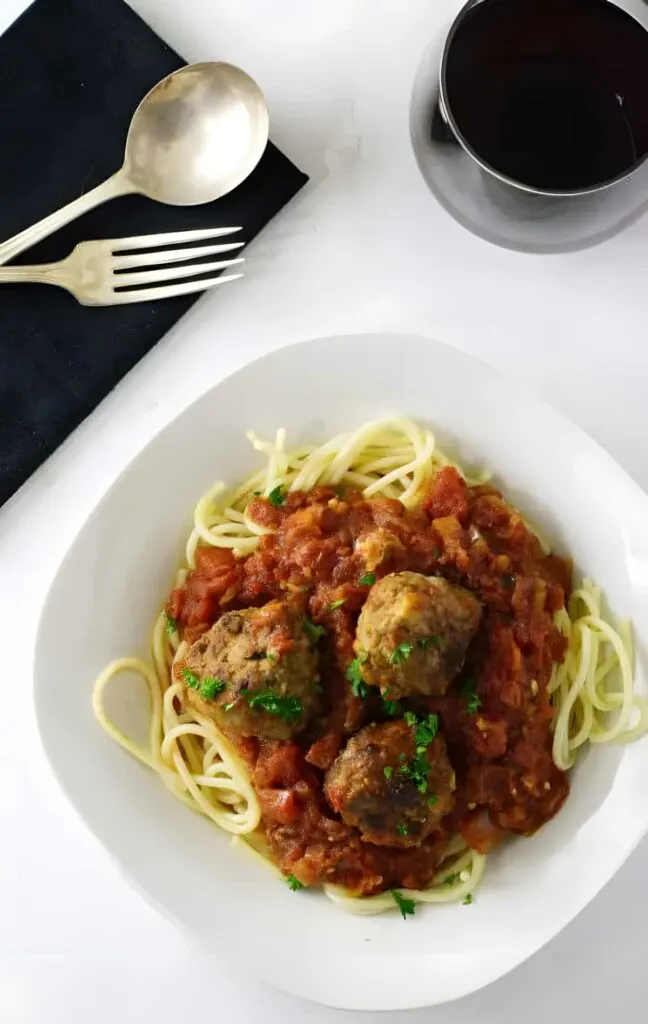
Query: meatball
(389, 786)
(254, 673)
(413, 633)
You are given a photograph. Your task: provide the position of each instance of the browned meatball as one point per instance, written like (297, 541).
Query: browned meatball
(389, 786)
(413, 633)
(254, 672)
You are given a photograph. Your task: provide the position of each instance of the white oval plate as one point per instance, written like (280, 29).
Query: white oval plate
(112, 581)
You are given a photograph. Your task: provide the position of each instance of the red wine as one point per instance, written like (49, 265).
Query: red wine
(551, 93)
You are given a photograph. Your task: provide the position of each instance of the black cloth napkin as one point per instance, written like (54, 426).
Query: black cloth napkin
(71, 74)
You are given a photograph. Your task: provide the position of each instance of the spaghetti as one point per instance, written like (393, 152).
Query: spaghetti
(591, 689)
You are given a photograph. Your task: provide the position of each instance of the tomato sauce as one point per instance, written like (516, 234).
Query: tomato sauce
(329, 545)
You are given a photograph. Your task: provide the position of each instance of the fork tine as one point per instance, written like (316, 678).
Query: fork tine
(171, 273)
(168, 238)
(169, 291)
(152, 259)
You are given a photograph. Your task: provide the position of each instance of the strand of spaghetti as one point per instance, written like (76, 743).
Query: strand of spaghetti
(583, 703)
(599, 734)
(240, 822)
(356, 442)
(317, 464)
(169, 716)
(560, 749)
(141, 669)
(436, 893)
(641, 727)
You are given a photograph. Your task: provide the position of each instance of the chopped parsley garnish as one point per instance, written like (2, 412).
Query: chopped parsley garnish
(358, 686)
(388, 771)
(336, 604)
(211, 687)
(368, 579)
(190, 679)
(473, 700)
(426, 641)
(170, 625)
(270, 656)
(450, 880)
(294, 883)
(467, 900)
(288, 708)
(405, 905)
(402, 829)
(418, 769)
(426, 731)
(391, 708)
(400, 654)
(312, 631)
(277, 496)
(432, 799)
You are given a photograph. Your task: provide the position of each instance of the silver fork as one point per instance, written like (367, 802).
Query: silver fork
(105, 273)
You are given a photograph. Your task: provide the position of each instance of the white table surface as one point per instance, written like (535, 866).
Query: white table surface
(364, 247)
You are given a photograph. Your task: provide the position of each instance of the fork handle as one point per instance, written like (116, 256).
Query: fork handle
(117, 185)
(45, 273)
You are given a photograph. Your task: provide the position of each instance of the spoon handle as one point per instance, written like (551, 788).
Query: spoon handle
(117, 185)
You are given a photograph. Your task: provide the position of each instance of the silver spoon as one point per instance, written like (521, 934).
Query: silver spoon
(194, 137)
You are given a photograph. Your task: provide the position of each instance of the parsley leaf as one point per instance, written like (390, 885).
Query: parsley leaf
(190, 679)
(294, 883)
(400, 654)
(358, 686)
(288, 708)
(368, 579)
(336, 604)
(435, 641)
(170, 625)
(426, 731)
(270, 656)
(405, 905)
(388, 771)
(473, 700)
(277, 496)
(419, 767)
(391, 708)
(312, 631)
(432, 799)
(402, 829)
(211, 687)
(451, 879)
(467, 900)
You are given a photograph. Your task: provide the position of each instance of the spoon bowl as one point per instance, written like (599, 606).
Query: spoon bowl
(196, 135)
